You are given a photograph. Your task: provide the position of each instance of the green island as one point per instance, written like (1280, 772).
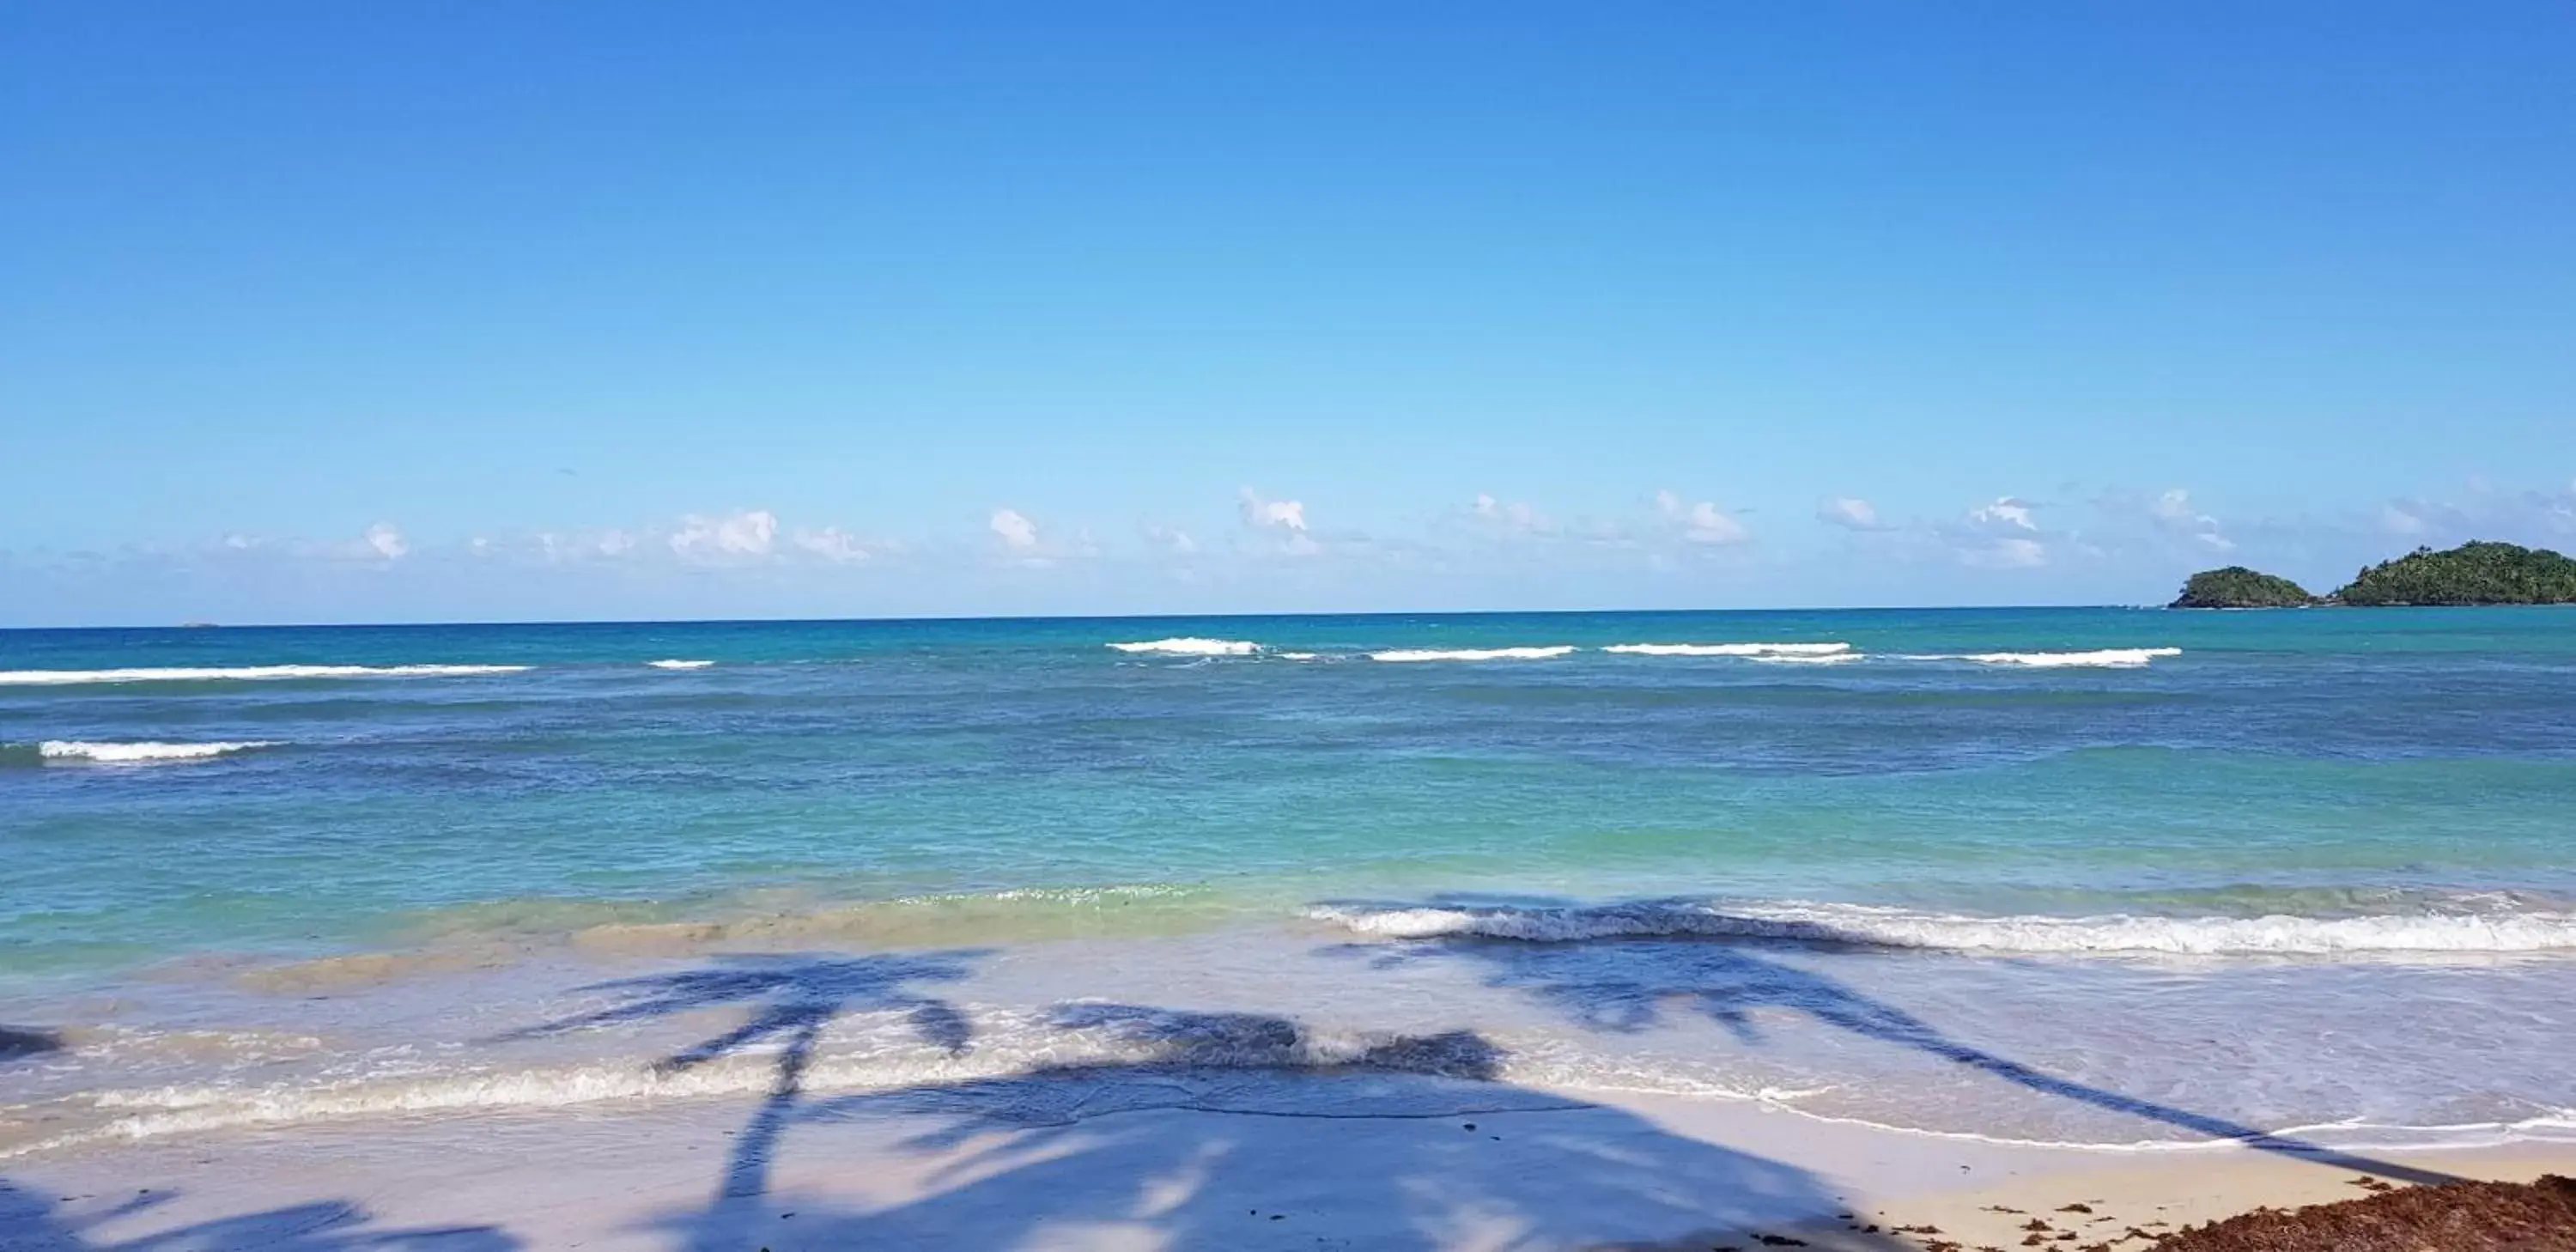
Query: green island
(2474, 573)
(2237, 587)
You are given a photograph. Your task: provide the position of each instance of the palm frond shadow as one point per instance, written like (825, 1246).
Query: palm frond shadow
(18, 1044)
(790, 999)
(1287, 1130)
(38, 1223)
(1628, 985)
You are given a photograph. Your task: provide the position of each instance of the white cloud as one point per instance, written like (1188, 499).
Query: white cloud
(1849, 513)
(1015, 530)
(1285, 519)
(2005, 513)
(746, 535)
(834, 544)
(2003, 535)
(386, 542)
(2400, 520)
(2010, 553)
(1700, 522)
(1174, 541)
(1514, 517)
(2173, 513)
(611, 545)
(1261, 514)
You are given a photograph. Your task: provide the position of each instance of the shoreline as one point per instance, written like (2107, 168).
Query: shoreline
(1953, 1050)
(1304, 1161)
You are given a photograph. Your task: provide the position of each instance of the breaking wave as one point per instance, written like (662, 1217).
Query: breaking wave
(1472, 654)
(679, 664)
(1077, 1060)
(1873, 926)
(1191, 647)
(245, 673)
(1086, 1045)
(2099, 658)
(136, 753)
(1732, 649)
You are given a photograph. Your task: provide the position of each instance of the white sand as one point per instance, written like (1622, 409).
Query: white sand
(1039, 1164)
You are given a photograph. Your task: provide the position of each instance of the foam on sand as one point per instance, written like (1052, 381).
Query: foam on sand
(1757, 650)
(858, 1052)
(1191, 646)
(138, 753)
(679, 664)
(1472, 654)
(241, 673)
(1874, 926)
(2099, 658)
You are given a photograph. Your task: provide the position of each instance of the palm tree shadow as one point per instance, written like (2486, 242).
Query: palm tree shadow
(36, 1223)
(1248, 1130)
(18, 1044)
(1628, 985)
(790, 999)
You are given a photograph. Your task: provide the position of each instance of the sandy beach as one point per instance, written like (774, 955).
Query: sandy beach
(1865, 627)
(1239, 1087)
(1163, 1159)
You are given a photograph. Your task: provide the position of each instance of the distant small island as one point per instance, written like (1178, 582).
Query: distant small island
(2237, 587)
(2474, 573)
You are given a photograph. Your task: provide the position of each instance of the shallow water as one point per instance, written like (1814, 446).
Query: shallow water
(2108, 876)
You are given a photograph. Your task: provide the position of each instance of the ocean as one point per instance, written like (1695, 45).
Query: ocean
(2130, 878)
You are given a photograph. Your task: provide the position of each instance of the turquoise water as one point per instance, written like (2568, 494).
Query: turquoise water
(2322, 750)
(2362, 792)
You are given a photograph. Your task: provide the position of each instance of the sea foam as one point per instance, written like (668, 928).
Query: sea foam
(679, 664)
(2100, 658)
(1155, 1050)
(135, 753)
(1472, 654)
(1873, 926)
(1187, 646)
(164, 674)
(1731, 649)
(1083, 1059)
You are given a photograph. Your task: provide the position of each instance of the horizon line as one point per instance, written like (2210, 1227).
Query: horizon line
(927, 619)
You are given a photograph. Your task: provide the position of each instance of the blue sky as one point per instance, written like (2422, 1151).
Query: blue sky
(397, 311)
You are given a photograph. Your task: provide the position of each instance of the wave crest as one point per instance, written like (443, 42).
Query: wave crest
(1472, 654)
(1731, 649)
(135, 753)
(1874, 926)
(247, 673)
(1191, 646)
(2099, 658)
(677, 664)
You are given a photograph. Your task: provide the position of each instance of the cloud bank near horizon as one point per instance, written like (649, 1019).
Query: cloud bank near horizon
(1282, 554)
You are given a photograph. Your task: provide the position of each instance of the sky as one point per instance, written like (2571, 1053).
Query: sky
(407, 311)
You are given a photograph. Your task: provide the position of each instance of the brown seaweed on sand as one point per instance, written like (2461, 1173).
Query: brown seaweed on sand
(2456, 1217)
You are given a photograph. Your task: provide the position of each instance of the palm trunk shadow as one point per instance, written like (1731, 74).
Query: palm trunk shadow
(1247, 1130)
